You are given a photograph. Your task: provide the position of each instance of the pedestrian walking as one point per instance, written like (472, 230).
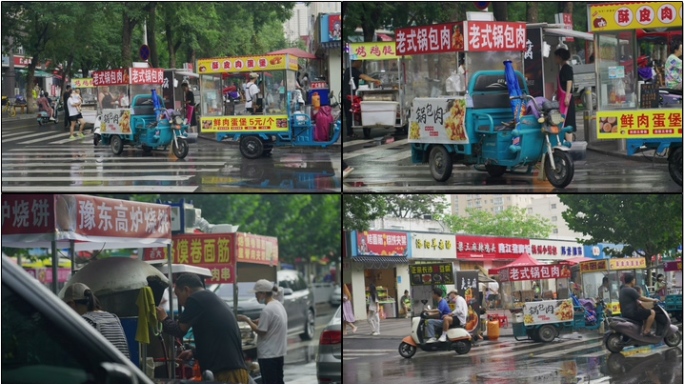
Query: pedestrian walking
(75, 115)
(81, 299)
(374, 311)
(347, 311)
(218, 342)
(65, 104)
(272, 330)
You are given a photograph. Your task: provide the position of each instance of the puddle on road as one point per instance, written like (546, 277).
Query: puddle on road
(651, 365)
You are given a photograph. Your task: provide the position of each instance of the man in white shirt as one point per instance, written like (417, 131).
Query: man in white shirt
(251, 92)
(458, 315)
(272, 331)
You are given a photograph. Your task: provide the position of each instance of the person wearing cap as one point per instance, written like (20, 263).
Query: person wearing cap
(251, 93)
(81, 299)
(272, 330)
(217, 335)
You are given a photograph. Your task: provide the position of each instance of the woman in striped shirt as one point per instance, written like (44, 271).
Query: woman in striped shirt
(82, 300)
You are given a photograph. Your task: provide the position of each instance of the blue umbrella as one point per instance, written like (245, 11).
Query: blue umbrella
(513, 90)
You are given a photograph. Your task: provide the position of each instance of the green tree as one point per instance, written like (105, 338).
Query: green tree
(414, 206)
(645, 224)
(359, 210)
(511, 222)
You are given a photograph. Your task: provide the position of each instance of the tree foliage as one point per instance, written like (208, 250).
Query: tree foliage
(511, 222)
(85, 36)
(360, 210)
(371, 16)
(645, 224)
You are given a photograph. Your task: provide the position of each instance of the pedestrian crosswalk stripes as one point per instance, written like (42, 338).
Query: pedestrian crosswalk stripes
(103, 189)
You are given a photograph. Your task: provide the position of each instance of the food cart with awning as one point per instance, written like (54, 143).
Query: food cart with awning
(90, 223)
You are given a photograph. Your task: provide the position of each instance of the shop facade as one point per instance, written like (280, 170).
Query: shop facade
(431, 263)
(380, 258)
(488, 252)
(328, 35)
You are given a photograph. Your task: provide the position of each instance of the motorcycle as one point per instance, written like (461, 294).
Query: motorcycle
(458, 339)
(626, 332)
(44, 117)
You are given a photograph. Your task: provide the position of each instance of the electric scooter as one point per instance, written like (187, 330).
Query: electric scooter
(458, 339)
(626, 332)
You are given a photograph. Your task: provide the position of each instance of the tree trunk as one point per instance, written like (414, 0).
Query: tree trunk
(500, 11)
(169, 43)
(30, 78)
(532, 12)
(127, 37)
(151, 34)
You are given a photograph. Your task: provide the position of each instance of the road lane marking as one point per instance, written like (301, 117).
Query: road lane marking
(109, 171)
(100, 189)
(373, 149)
(97, 178)
(113, 165)
(594, 344)
(22, 137)
(66, 134)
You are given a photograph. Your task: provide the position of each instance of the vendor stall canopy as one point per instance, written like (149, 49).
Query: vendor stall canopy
(89, 222)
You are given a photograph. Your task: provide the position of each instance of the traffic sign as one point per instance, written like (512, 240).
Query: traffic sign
(144, 52)
(482, 5)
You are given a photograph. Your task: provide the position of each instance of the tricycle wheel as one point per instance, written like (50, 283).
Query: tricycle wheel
(251, 147)
(366, 133)
(564, 172)
(675, 166)
(441, 163)
(181, 150)
(146, 149)
(116, 144)
(407, 350)
(495, 170)
(547, 333)
(534, 335)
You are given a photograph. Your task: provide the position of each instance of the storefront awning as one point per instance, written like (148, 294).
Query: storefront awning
(381, 259)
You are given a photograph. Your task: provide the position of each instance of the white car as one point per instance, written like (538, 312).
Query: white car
(336, 297)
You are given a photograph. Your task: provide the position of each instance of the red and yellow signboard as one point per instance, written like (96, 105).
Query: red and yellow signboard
(593, 266)
(636, 15)
(257, 249)
(83, 83)
(627, 263)
(219, 252)
(240, 124)
(247, 64)
(378, 50)
(639, 124)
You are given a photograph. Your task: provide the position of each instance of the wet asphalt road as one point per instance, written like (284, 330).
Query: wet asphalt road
(507, 361)
(385, 166)
(42, 159)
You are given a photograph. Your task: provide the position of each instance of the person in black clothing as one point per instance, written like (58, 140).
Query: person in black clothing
(106, 99)
(354, 72)
(189, 97)
(565, 79)
(630, 308)
(217, 335)
(65, 98)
